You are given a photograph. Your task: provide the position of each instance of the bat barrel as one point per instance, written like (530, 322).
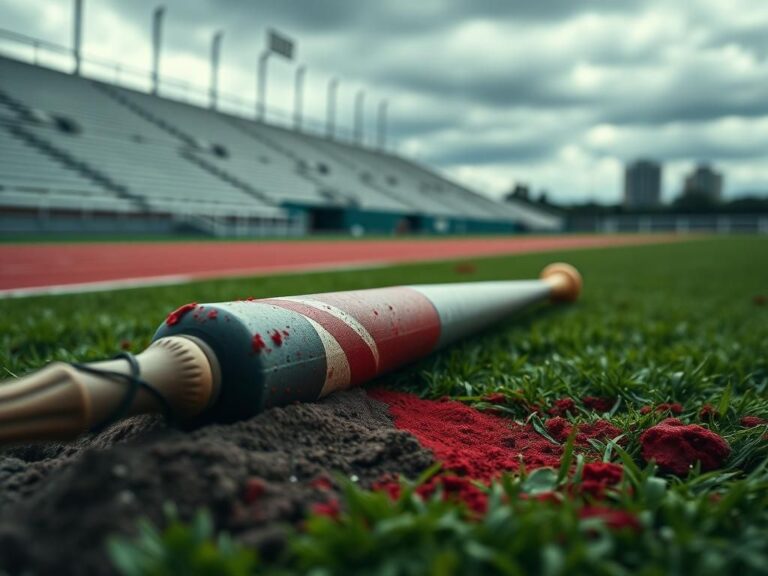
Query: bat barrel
(277, 351)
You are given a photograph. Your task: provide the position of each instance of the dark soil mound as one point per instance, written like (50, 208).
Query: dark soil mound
(59, 502)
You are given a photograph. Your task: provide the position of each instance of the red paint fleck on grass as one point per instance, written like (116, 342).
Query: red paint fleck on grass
(465, 268)
(322, 483)
(331, 509)
(614, 519)
(597, 477)
(708, 412)
(176, 316)
(671, 407)
(559, 428)
(752, 421)
(598, 404)
(257, 343)
(453, 488)
(562, 407)
(457, 489)
(277, 338)
(254, 489)
(495, 398)
(676, 447)
(213, 314)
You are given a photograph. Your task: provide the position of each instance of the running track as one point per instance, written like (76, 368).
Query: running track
(29, 269)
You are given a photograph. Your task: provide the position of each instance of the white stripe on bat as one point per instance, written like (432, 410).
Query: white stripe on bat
(348, 319)
(337, 372)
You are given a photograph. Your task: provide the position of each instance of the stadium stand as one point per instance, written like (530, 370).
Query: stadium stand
(76, 152)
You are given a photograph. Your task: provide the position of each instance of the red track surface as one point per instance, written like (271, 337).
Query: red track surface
(45, 265)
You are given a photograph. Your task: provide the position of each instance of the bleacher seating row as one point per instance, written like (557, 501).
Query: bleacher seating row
(70, 143)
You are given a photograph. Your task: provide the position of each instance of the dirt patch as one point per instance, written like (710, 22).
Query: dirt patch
(58, 502)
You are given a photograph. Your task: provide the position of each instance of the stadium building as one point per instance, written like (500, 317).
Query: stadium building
(642, 184)
(82, 155)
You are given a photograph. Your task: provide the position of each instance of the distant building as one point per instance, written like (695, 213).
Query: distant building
(642, 184)
(705, 183)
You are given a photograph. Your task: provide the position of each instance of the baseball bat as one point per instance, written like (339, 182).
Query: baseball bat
(228, 361)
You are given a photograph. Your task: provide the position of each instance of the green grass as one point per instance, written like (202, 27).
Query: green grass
(667, 323)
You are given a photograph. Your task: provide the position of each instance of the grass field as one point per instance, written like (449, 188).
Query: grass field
(682, 323)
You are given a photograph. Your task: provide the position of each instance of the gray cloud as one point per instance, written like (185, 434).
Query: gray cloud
(492, 87)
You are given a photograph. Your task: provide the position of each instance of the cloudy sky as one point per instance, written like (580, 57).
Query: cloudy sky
(554, 93)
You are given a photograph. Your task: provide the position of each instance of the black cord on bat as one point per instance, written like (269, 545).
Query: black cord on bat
(133, 383)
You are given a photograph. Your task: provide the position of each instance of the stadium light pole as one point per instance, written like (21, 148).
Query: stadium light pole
(382, 124)
(261, 101)
(359, 105)
(298, 96)
(278, 44)
(330, 125)
(215, 51)
(157, 38)
(77, 33)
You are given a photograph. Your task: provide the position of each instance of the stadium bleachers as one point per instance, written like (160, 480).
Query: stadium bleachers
(68, 143)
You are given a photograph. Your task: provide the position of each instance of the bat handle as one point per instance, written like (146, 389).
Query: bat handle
(564, 281)
(62, 400)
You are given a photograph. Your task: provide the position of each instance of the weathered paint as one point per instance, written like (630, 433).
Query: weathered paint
(469, 307)
(281, 350)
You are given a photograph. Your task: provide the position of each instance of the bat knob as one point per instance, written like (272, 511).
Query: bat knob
(564, 280)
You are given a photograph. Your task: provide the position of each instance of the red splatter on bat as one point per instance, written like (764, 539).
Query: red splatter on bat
(176, 316)
(257, 343)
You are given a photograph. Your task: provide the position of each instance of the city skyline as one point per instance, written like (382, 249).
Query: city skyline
(556, 94)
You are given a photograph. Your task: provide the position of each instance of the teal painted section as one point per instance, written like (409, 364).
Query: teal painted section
(362, 222)
(375, 222)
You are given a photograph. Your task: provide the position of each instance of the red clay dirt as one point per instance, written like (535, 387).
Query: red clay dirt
(44, 265)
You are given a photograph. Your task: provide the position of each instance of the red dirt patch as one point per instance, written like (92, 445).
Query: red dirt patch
(559, 428)
(469, 443)
(676, 447)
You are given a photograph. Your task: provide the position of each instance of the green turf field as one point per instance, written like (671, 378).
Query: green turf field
(685, 322)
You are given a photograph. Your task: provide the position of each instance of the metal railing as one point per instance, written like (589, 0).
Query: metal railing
(61, 58)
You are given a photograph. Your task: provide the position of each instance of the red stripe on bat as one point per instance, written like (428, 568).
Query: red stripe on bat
(362, 363)
(403, 322)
